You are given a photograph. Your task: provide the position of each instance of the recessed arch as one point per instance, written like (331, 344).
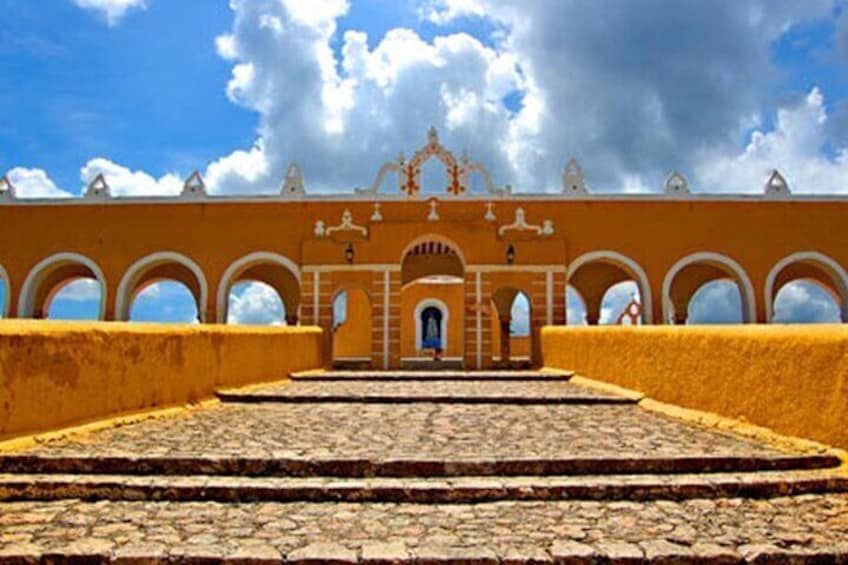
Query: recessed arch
(419, 310)
(49, 274)
(626, 264)
(7, 293)
(829, 267)
(163, 265)
(730, 269)
(262, 266)
(431, 254)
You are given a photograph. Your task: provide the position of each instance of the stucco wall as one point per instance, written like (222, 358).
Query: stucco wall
(792, 379)
(55, 374)
(352, 339)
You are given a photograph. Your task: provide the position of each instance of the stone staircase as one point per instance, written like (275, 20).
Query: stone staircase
(374, 467)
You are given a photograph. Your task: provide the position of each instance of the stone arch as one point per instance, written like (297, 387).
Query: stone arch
(419, 310)
(701, 268)
(807, 265)
(7, 293)
(273, 269)
(593, 273)
(163, 265)
(431, 254)
(49, 275)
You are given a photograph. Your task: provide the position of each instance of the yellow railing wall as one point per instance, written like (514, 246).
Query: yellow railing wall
(792, 379)
(59, 374)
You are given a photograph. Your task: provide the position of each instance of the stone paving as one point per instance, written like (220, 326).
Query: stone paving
(555, 391)
(416, 477)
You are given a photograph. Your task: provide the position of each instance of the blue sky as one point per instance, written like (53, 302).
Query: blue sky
(146, 91)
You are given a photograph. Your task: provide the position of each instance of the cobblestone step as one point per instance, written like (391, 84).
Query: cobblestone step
(407, 468)
(799, 529)
(443, 375)
(17, 487)
(410, 392)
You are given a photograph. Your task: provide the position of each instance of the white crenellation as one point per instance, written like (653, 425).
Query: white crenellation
(777, 186)
(675, 185)
(294, 185)
(98, 189)
(7, 189)
(194, 187)
(573, 181)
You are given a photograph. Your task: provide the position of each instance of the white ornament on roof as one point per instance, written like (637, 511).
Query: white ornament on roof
(490, 212)
(7, 189)
(573, 181)
(294, 185)
(777, 186)
(194, 187)
(377, 216)
(433, 216)
(675, 184)
(520, 224)
(98, 189)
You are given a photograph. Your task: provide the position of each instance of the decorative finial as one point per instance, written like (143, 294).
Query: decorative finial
(98, 188)
(490, 212)
(377, 216)
(294, 184)
(194, 187)
(433, 216)
(573, 181)
(777, 186)
(433, 136)
(675, 183)
(7, 189)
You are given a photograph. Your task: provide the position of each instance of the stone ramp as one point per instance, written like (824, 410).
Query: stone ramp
(798, 529)
(515, 467)
(461, 489)
(426, 375)
(395, 391)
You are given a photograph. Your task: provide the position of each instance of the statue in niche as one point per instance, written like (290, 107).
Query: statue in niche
(431, 328)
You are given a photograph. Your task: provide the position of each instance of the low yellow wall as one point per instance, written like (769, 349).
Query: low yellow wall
(792, 379)
(58, 374)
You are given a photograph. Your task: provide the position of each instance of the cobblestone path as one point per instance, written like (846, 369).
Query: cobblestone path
(353, 467)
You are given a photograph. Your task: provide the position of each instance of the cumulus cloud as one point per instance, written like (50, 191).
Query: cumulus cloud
(80, 290)
(125, 182)
(112, 11)
(803, 302)
(256, 304)
(165, 301)
(717, 302)
(34, 183)
(796, 145)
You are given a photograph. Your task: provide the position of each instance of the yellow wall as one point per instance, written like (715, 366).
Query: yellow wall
(55, 374)
(792, 379)
(353, 338)
(519, 346)
(453, 297)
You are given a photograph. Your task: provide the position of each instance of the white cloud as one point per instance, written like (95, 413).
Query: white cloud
(443, 12)
(255, 303)
(795, 146)
(805, 302)
(80, 290)
(111, 10)
(124, 182)
(34, 183)
(716, 302)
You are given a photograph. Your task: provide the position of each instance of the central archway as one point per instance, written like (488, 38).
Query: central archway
(432, 303)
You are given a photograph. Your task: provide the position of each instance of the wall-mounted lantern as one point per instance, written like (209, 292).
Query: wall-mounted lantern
(510, 254)
(349, 253)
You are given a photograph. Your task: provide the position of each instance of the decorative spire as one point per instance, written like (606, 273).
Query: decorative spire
(294, 184)
(194, 187)
(573, 182)
(777, 186)
(675, 183)
(98, 188)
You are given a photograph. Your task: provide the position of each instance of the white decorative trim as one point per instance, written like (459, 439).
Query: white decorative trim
(830, 266)
(257, 257)
(386, 296)
(346, 225)
(520, 224)
(675, 185)
(348, 267)
(495, 268)
(433, 216)
(419, 308)
(7, 292)
(26, 307)
(627, 264)
(549, 298)
(749, 304)
(377, 216)
(573, 181)
(194, 188)
(124, 301)
(98, 189)
(489, 216)
(478, 299)
(294, 184)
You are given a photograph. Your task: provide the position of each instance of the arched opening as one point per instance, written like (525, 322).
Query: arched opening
(694, 271)
(716, 302)
(806, 301)
(5, 293)
(816, 289)
(512, 334)
(432, 274)
(79, 277)
(76, 299)
(598, 276)
(156, 280)
(352, 328)
(270, 269)
(575, 307)
(615, 303)
(256, 304)
(164, 301)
